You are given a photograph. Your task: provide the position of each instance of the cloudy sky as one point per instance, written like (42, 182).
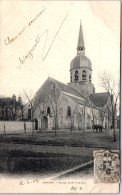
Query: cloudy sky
(25, 25)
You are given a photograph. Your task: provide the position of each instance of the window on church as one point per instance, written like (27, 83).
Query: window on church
(71, 78)
(76, 75)
(48, 110)
(68, 111)
(90, 78)
(81, 49)
(84, 75)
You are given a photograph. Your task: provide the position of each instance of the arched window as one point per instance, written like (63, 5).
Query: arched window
(90, 78)
(68, 111)
(80, 48)
(48, 110)
(84, 75)
(71, 78)
(76, 75)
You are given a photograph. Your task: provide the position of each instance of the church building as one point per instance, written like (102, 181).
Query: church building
(75, 105)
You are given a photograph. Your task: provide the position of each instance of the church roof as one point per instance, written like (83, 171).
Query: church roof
(66, 88)
(80, 38)
(99, 99)
(87, 103)
(81, 61)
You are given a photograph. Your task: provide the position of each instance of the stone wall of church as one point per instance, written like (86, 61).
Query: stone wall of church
(80, 118)
(66, 121)
(47, 121)
(84, 87)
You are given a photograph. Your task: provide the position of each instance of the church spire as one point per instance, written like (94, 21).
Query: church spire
(80, 46)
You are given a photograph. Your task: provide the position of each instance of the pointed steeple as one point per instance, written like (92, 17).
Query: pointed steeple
(80, 46)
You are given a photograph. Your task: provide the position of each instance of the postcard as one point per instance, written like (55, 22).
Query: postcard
(59, 96)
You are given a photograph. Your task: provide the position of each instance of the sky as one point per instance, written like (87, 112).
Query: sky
(25, 25)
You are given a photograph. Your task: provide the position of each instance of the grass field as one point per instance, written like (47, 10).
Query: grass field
(46, 153)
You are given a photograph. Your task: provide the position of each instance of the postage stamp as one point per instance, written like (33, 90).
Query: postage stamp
(106, 166)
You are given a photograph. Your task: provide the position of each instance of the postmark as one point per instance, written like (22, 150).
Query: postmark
(106, 166)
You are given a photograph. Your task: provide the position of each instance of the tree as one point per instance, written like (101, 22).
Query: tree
(84, 114)
(105, 110)
(108, 82)
(51, 93)
(93, 114)
(40, 103)
(29, 97)
(10, 109)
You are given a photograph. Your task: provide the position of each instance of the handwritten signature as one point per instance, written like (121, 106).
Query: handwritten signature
(29, 181)
(9, 40)
(75, 188)
(29, 54)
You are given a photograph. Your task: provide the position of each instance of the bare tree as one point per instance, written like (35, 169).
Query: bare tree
(52, 94)
(105, 110)
(84, 114)
(93, 114)
(107, 81)
(29, 97)
(40, 103)
(55, 99)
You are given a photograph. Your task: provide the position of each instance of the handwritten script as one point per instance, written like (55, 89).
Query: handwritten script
(29, 181)
(74, 186)
(9, 40)
(29, 54)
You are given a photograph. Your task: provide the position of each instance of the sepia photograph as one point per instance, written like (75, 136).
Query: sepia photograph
(59, 96)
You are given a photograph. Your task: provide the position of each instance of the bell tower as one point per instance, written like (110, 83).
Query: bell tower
(81, 69)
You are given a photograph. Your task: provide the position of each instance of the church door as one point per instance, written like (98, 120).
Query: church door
(36, 124)
(44, 123)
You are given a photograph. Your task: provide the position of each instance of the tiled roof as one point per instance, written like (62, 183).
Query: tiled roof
(80, 61)
(99, 99)
(95, 100)
(87, 103)
(63, 87)
(80, 38)
(66, 88)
